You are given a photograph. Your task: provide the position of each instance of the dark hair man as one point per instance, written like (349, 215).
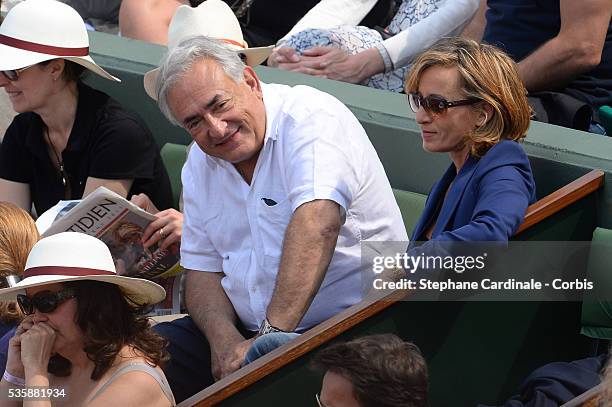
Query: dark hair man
(373, 371)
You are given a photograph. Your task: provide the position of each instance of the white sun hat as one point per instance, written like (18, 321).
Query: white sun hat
(72, 256)
(212, 18)
(35, 31)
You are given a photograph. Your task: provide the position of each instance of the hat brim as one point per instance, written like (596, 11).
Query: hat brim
(15, 58)
(254, 57)
(139, 290)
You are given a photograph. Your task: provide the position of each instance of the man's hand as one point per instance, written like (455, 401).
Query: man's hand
(214, 314)
(226, 361)
(282, 55)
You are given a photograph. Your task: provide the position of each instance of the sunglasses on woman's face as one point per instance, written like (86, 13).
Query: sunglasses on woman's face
(435, 104)
(44, 301)
(13, 74)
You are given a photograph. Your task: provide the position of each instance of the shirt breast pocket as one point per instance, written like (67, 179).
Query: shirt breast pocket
(273, 217)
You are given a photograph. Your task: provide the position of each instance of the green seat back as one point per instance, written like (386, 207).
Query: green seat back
(605, 117)
(411, 206)
(174, 156)
(597, 315)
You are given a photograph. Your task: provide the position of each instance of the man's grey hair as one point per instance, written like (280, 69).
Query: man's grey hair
(178, 61)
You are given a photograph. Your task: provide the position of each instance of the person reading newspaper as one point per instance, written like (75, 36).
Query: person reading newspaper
(120, 225)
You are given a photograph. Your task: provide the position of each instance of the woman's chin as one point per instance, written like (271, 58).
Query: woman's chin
(19, 107)
(432, 147)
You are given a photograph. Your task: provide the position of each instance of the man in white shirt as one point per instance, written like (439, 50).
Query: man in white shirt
(283, 188)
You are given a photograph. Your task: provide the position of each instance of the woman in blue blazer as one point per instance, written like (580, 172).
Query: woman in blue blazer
(470, 103)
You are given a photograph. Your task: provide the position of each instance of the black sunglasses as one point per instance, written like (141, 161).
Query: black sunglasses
(13, 74)
(435, 104)
(44, 301)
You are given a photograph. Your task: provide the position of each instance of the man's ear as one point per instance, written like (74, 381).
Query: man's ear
(252, 81)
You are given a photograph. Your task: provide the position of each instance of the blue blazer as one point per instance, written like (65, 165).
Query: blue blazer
(486, 201)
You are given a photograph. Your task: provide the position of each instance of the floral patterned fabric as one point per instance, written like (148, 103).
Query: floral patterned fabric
(354, 39)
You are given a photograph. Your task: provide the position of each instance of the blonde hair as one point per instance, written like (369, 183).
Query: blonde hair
(488, 74)
(605, 397)
(18, 234)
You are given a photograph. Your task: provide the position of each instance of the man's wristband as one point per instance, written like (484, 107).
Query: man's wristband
(17, 381)
(266, 328)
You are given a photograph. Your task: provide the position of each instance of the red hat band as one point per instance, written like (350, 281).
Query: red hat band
(43, 49)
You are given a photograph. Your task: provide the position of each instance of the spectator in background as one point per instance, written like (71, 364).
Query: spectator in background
(557, 383)
(373, 371)
(263, 22)
(564, 51)
(147, 20)
(98, 15)
(358, 54)
(68, 139)
(18, 234)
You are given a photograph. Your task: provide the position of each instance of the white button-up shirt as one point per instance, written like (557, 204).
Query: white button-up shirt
(314, 148)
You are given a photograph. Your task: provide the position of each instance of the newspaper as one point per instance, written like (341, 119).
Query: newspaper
(120, 224)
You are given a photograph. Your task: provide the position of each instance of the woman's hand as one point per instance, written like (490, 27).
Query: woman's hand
(144, 202)
(334, 63)
(167, 228)
(36, 347)
(282, 55)
(14, 364)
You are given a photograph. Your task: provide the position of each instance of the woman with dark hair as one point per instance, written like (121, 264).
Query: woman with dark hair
(84, 339)
(471, 104)
(68, 139)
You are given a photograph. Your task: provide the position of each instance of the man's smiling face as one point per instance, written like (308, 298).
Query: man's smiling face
(226, 119)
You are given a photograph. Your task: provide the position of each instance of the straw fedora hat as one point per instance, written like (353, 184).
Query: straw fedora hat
(212, 18)
(35, 31)
(72, 256)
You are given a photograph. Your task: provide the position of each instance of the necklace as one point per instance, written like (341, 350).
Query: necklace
(59, 160)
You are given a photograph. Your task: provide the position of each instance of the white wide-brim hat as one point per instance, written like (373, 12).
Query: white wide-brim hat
(212, 18)
(73, 256)
(36, 31)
